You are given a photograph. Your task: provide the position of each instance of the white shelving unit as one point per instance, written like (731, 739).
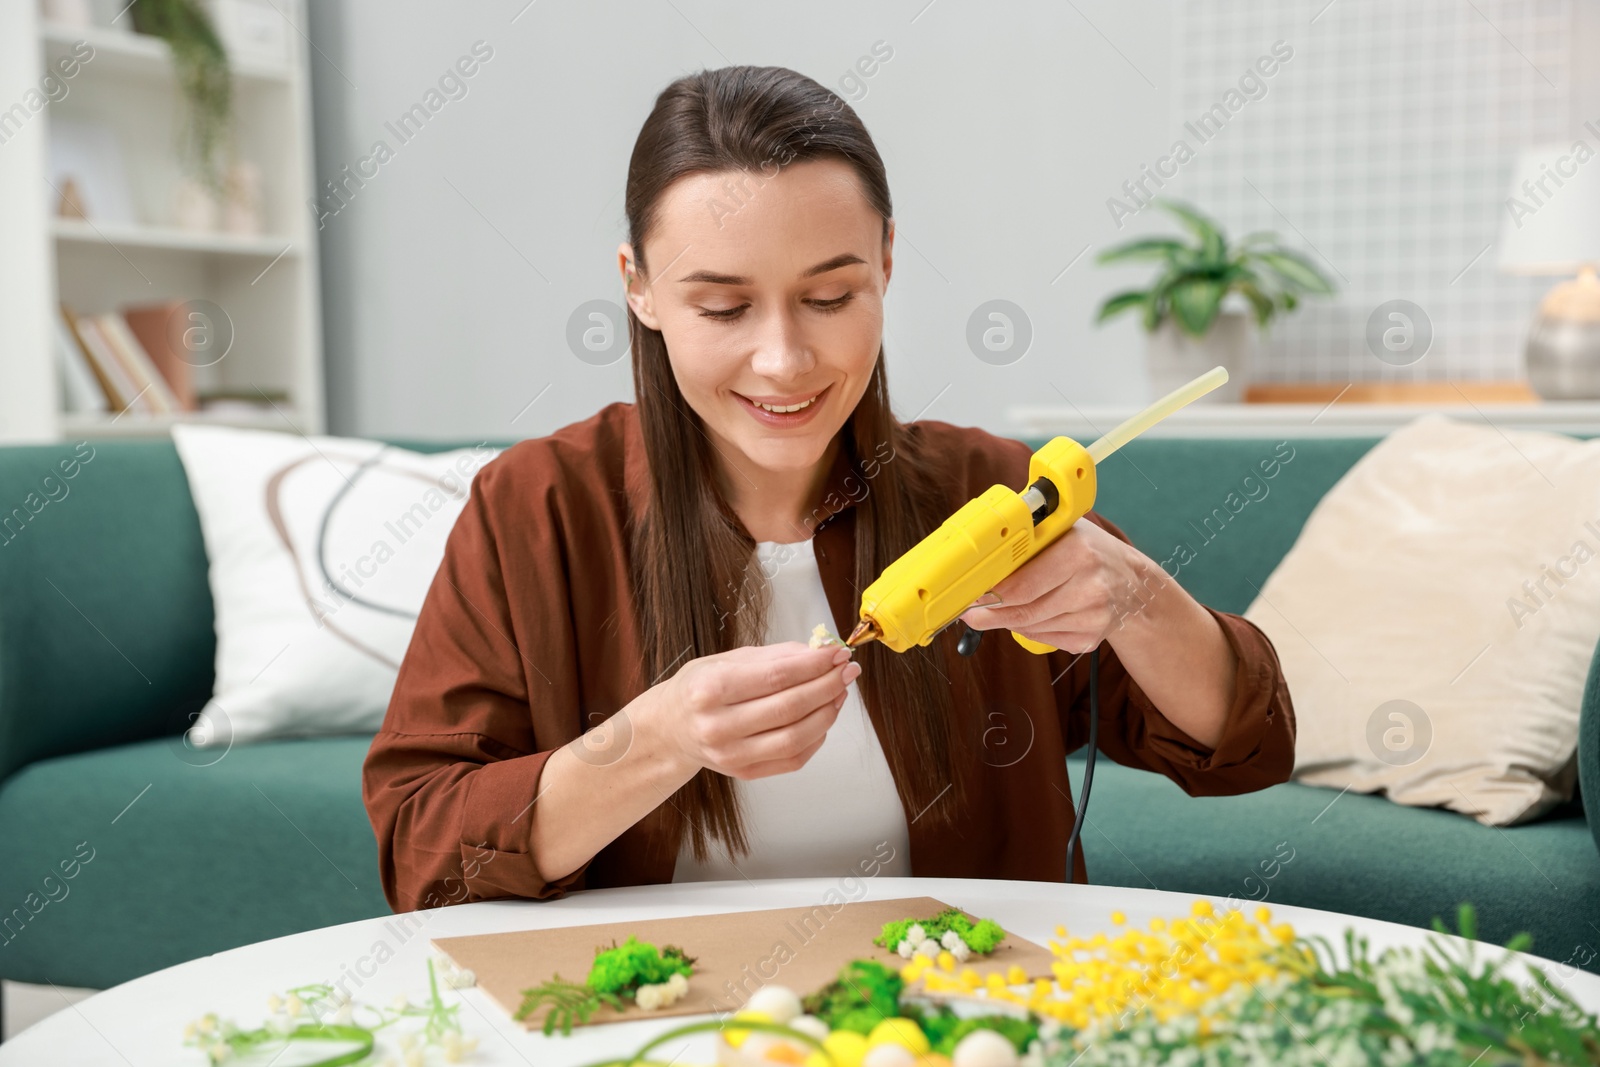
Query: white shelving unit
(1301, 420)
(266, 285)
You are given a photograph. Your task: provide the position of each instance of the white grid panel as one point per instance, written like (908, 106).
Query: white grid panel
(1382, 148)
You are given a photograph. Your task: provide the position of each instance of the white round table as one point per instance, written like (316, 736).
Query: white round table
(141, 1022)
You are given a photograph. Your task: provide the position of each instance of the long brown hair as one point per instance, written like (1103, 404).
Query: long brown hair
(691, 555)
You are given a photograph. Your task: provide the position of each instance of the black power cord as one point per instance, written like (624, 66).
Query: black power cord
(1088, 766)
(968, 645)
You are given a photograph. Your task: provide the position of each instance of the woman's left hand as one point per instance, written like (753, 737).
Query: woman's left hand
(1075, 593)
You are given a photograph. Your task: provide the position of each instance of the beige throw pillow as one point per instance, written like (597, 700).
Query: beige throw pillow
(1436, 617)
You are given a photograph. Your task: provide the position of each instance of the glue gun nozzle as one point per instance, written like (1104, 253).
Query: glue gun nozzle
(866, 630)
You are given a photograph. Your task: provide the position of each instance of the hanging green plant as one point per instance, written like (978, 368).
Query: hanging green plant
(204, 77)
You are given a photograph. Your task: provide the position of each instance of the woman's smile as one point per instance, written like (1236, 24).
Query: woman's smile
(783, 411)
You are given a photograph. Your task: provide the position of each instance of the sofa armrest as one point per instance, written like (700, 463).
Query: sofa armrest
(105, 611)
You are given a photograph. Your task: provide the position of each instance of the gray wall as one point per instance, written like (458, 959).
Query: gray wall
(450, 274)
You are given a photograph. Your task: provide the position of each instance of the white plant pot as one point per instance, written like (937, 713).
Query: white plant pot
(1176, 359)
(193, 206)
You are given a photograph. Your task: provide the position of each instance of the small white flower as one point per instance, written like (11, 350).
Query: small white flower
(929, 948)
(678, 984)
(274, 1003)
(452, 976)
(984, 1048)
(906, 949)
(780, 1003)
(220, 1053)
(294, 1005)
(951, 939)
(649, 997)
(457, 1048)
(399, 1003)
(916, 935)
(344, 1014)
(961, 951)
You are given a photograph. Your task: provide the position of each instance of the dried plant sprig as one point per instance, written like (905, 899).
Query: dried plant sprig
(569, 1004)
(333, 1019)
(617, 973)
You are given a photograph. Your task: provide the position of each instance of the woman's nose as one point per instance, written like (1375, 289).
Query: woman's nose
(783, 352)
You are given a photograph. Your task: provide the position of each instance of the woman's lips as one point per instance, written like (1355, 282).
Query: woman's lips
(787, 419)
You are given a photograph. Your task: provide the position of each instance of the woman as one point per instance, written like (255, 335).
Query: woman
(610, 684)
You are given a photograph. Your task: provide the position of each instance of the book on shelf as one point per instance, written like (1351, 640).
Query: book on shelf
(241, 402)
(121, 393)
(80, 387)
(114, 349)
(126, 347)
(152, 325)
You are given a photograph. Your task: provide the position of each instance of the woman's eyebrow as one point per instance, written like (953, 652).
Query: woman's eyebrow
(843, 259)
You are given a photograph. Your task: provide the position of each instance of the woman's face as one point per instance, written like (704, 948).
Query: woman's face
(767, 291)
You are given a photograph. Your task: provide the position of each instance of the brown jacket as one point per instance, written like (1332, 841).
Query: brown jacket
(528, 636)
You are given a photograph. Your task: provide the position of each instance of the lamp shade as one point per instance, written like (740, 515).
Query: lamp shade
(1550, 223)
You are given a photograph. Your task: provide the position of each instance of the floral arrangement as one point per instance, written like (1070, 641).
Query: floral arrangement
(949, 931)
(322, 1015)
(654, 978)
(1201, 990)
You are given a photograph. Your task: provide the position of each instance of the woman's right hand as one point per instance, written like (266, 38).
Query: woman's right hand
(754, 711)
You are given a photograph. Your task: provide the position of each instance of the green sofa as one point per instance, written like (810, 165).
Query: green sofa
(106, 650)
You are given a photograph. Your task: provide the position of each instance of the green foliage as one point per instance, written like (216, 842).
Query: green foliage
(224, 1042)
(203, 73)
(623, 968)
(945, 1028)
(617, 972)
(568, 1003)
(865, 993)
(981, 937)
(1197, 274)
(674, 1037)
(1439, 1005)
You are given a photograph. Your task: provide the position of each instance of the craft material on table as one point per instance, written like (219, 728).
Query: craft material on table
(735, 953)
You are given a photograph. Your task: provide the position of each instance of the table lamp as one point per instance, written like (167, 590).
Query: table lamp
(1551, 225)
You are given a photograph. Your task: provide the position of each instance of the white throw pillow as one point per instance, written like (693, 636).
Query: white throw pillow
(321, 551)
(1436, 617)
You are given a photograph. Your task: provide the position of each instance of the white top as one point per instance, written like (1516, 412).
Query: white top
(841, 808)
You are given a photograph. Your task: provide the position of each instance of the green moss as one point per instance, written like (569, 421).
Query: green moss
(1017, 1031)
(945, 1028)
(624, 968)
(981, 937)
(865, 993)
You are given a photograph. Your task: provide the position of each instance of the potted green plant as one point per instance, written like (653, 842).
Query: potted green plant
(204, 78)
(1189, 310)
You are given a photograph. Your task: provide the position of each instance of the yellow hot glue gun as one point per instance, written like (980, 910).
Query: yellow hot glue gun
(929, 587)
